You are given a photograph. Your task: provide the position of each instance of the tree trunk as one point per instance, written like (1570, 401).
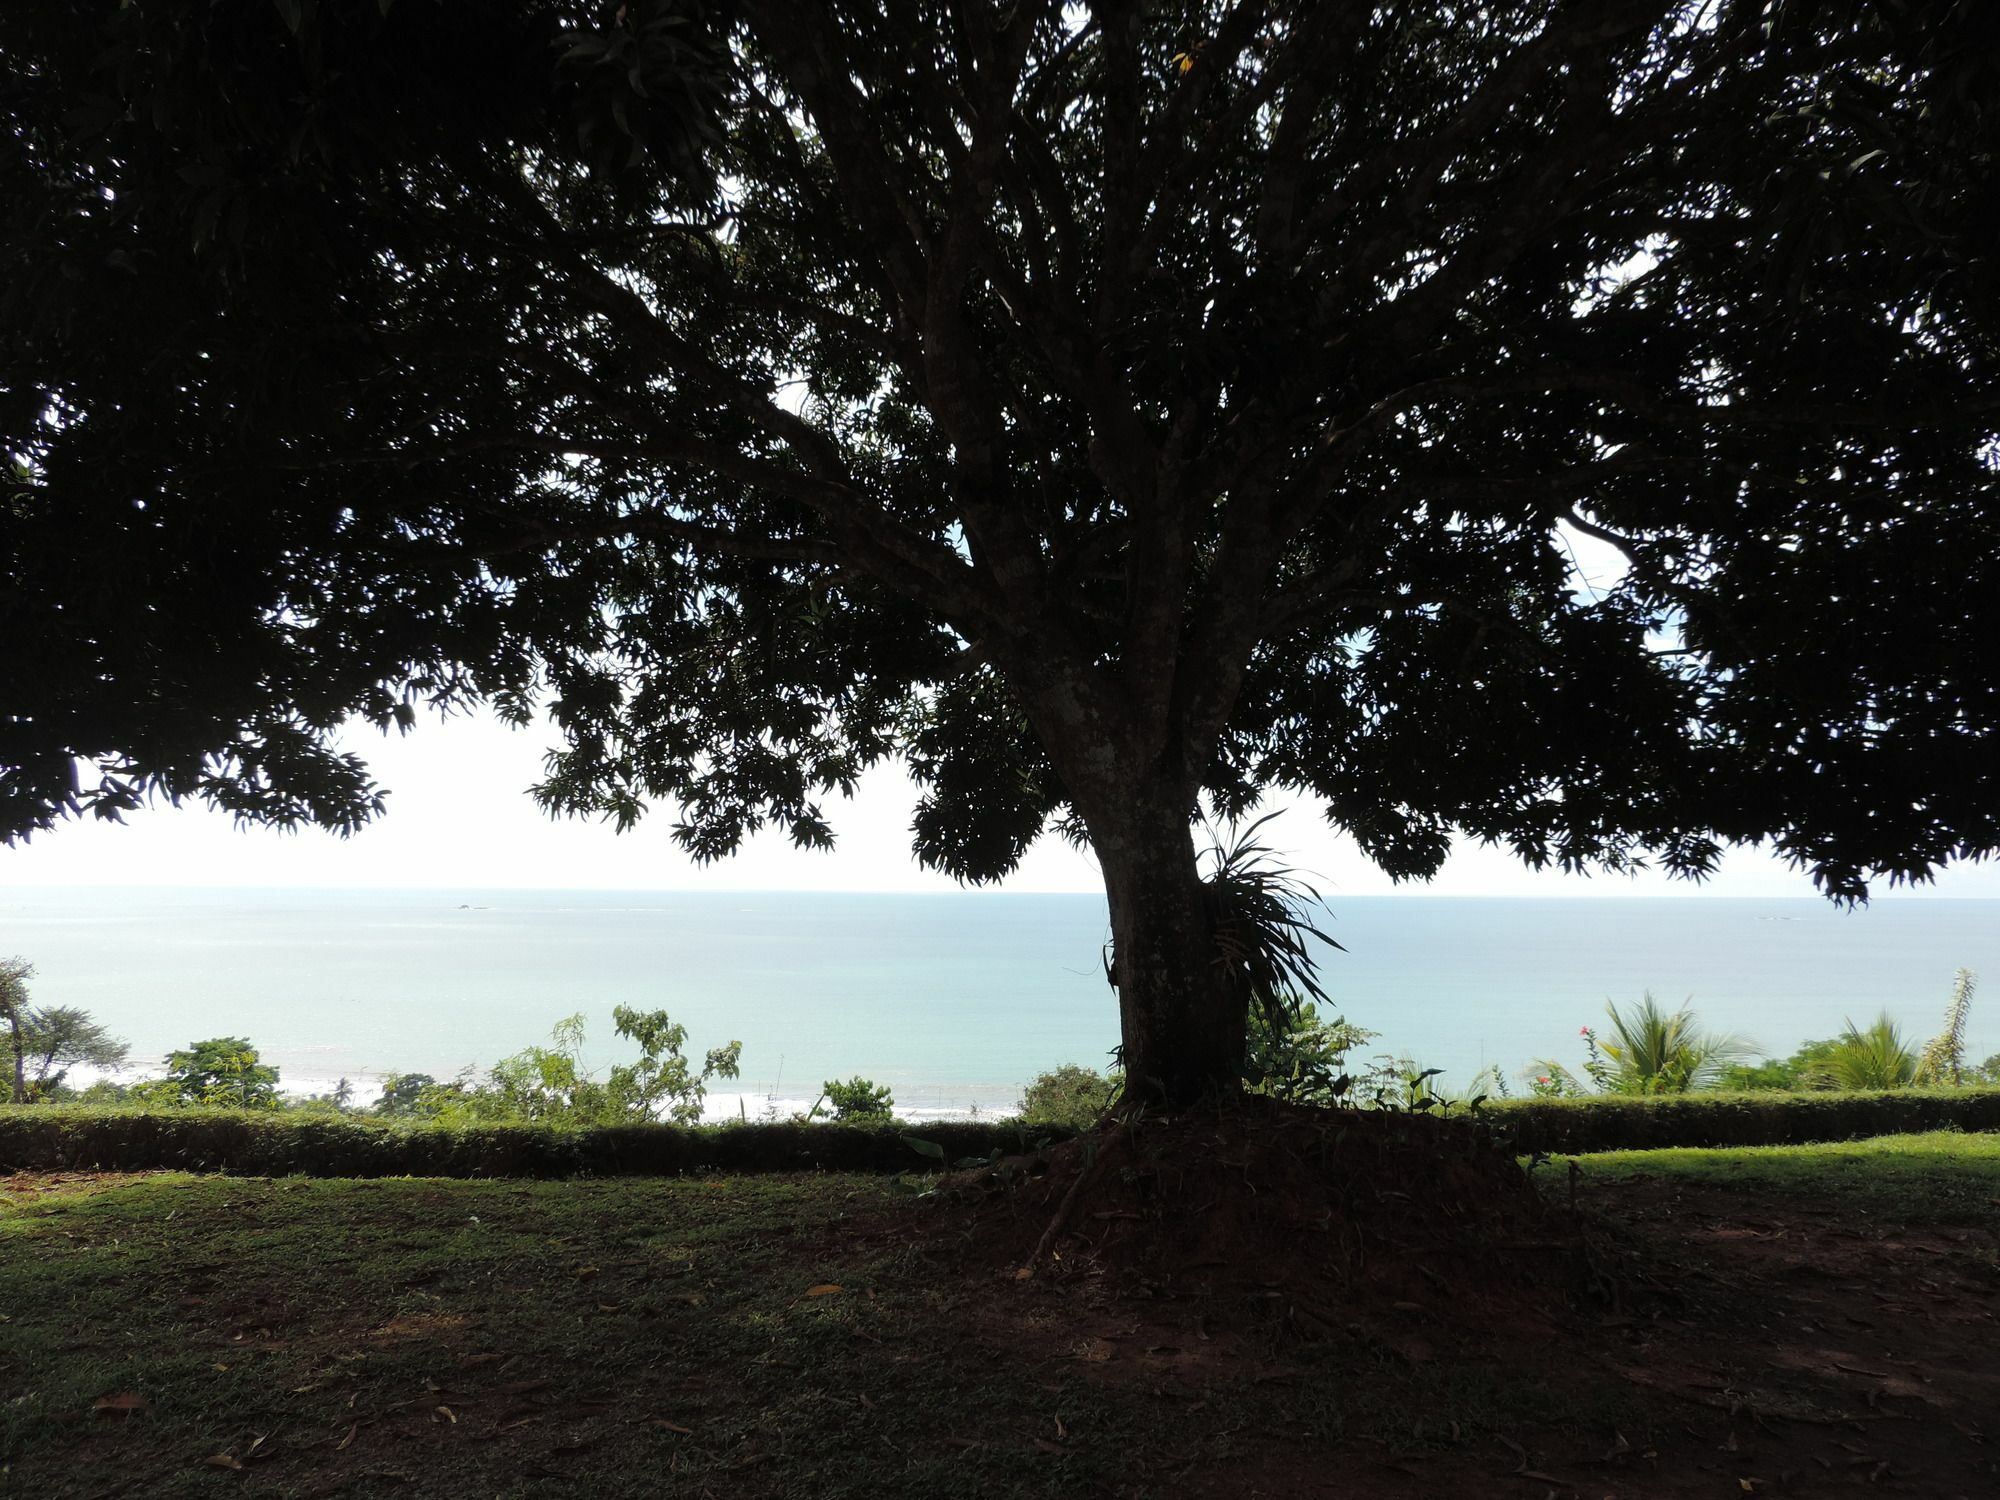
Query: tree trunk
(20, 1094)
(1183, 1022)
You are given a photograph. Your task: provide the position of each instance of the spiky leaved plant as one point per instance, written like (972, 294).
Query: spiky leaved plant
(1877, 1058)
(1258, 910)
(1943, 1060)
(1651, 1050)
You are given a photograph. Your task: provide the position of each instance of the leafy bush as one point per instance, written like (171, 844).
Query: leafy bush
(1401, 1083)
(1069, 1097)
(1712, 1118)
(68, 1137)
(1807, 1068)
(275, 1142)
(1301, 1059)
(222, 1072)
(549, 1085)
(402, 1094)
(859, 1101)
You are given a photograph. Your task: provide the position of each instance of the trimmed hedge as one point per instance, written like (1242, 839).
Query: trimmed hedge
(278, 1143)
(1571, 1127)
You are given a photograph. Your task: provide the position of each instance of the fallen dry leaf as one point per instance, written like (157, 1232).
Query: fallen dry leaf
(223, 1461)
(122, 1402)
(662, 1422)
(344, 1442)
(824, 1289)
(447, 1413)
(584, 1273)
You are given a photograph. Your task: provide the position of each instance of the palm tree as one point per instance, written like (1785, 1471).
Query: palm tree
(1877, 1058)
(1653, 1051)
(1944, 1054)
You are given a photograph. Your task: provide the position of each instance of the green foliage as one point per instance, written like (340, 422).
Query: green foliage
(1070, 1097)
(550, 1085)
(42, 1043)
(1257, 910)
(279, 1142)
(1614, 1122)
(1403, 1084)
(402, 1094)
(1943, 1059)
(276, 1142)
(1250, 383)
(1810, 1067)
(1300, 1058)
(1652, 1051)
(14, 976)
(859, 1101)
(222, 1072)
(339, 1100)
(1875, 1058)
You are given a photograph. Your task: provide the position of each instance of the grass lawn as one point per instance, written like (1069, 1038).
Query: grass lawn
(1943, 1177)
(172, 1335)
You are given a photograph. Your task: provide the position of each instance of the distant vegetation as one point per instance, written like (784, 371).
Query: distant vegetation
(1292, 1052)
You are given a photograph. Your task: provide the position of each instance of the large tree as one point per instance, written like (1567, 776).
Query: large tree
(1107, 407)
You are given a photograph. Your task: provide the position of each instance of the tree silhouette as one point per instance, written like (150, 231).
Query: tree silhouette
(1109, 408)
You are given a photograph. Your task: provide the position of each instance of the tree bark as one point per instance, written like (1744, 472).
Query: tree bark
(20, 1090)
(1181, 1016)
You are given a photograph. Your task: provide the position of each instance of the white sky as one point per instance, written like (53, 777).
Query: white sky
(459, 818)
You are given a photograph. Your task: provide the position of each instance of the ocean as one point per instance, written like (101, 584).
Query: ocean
(953, 1001)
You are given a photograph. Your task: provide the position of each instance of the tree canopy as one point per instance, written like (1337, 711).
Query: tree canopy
(1109, 408)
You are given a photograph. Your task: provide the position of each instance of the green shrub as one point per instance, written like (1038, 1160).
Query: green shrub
(223, 1072)
(549, 1085)
(1071, 1097)
(1808, 1068)
(1615, 1123)
(276, 1143)
(401, 1093)
(859, 1101)
(1302, 1059)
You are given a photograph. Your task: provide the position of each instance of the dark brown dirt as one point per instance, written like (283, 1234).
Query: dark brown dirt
(1741, 1346)
(1264, 1218)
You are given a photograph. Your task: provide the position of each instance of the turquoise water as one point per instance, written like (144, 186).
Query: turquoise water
(952, 1000)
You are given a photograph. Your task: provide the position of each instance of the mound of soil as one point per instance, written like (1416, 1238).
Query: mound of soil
(1261, 1213)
